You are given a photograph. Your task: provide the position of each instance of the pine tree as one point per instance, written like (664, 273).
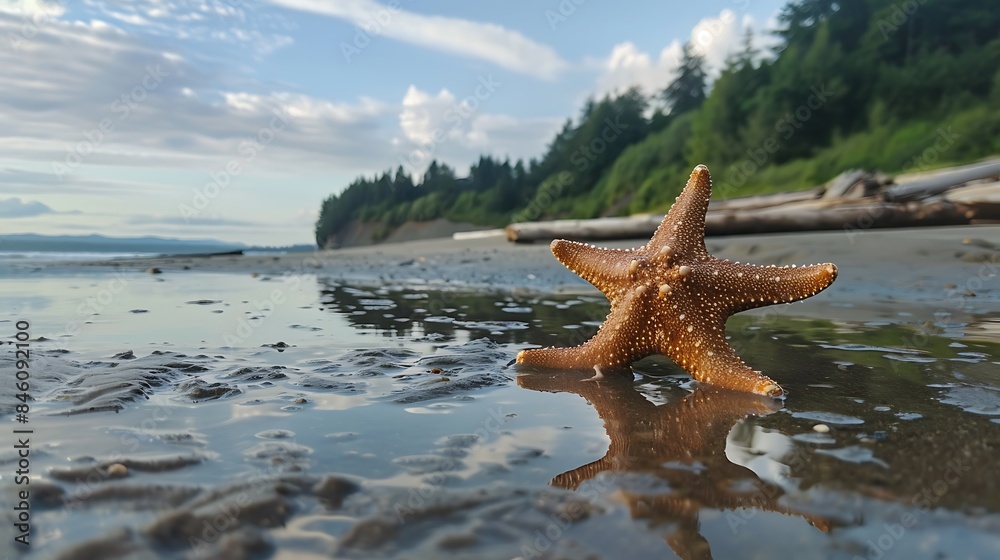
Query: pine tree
(687, 91)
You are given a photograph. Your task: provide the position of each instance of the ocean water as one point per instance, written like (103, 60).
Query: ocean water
(209, 415)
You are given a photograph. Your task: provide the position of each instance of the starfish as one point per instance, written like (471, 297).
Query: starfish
(671, 297)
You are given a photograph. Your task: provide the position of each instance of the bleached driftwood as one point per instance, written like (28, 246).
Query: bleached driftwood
(764, 200)
(937, 183)
(847, 202)
(580, 230)
(847, 216)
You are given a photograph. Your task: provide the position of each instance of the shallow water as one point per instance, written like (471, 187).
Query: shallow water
(290, 417)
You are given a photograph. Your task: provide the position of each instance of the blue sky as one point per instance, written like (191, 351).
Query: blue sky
(234, 119)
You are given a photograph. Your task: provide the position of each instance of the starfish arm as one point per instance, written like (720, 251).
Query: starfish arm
(615, 345)
(606, 269)
(683, 228)
(701, 349)
(745, 286)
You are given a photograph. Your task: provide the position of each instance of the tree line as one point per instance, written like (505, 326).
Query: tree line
(849, 84)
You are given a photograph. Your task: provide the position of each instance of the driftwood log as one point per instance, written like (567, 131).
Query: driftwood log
(854, 200)
(943, 181)
(849, 216)
(765, 200)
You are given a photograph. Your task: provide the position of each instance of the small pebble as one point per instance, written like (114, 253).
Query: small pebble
(117, 470)
(821, 428)
(154, 270)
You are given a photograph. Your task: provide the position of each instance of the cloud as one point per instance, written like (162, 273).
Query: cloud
(486, 41)
(76, 78)
(715, 38)
(424, 115)
(15, 208)
(626, 66)
(33, 8)
(90, 94)
(220, 22)
(457, 131)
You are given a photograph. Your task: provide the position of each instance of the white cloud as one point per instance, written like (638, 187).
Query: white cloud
(487, 41)
(718, 38)
(715, 38)
(91, 95)
(424, 115)
(33, 8)
(442, 127)
(627, 67)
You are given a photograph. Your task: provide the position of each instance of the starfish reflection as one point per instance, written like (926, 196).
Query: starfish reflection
(682, 443)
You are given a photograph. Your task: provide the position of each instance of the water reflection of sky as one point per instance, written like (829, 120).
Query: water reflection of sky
(670, 467)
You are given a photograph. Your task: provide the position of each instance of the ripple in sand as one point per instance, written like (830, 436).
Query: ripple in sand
(99, 471)
(468, 367)
(197, 389)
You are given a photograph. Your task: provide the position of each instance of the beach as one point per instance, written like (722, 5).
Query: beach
(363, 402)
(929, 269)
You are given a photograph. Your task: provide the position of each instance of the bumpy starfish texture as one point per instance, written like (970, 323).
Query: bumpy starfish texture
(671, 297)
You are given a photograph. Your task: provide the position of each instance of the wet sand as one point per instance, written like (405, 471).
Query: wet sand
(925, 267)
(362, 403)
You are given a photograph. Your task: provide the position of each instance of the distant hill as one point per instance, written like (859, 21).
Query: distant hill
(102, 244)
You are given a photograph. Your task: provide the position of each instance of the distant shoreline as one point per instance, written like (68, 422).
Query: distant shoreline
(925, 271)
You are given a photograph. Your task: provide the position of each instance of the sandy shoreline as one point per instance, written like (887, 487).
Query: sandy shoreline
(927, 272)
(316, 422)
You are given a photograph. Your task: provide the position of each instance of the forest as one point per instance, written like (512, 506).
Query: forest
(870, 84)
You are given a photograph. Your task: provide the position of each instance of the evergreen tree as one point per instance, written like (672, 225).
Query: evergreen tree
(687, 91)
